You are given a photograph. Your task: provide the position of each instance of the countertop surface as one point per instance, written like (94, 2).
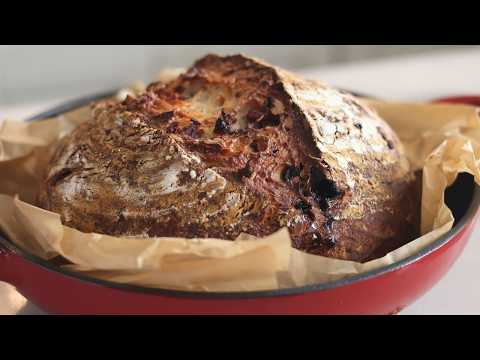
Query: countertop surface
(422, 77)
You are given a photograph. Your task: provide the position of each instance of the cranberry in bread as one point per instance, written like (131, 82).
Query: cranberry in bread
(236, 145)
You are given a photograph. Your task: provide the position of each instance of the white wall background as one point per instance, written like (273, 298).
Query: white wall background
(31, 73)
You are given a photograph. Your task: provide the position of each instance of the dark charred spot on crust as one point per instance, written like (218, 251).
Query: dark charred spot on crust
(322, 189)
(322, 242)
(163, 117)
(330, 241)
(179, 89)
(259, 145)
(325, 165)
(329, 224)
(324, 203)
(223, 123)
(303, 189)
(184, 178)
(303, 206)
(268, 102)
(385, 138)
(193, 130)
(244, 172)
(268, 120)
(358, 126)
(290, 172)
(254, 115)
(261, 116)
(59, 176)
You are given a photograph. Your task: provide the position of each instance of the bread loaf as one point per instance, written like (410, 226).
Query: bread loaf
(236, 145)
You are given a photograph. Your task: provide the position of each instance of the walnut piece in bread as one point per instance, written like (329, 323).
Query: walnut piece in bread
(236, 145)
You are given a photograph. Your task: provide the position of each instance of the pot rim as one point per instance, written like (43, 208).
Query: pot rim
(37, 261)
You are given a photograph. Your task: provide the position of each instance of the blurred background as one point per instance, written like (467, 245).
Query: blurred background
(30, 73)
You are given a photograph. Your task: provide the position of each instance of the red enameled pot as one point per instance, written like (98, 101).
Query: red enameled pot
(383, 291)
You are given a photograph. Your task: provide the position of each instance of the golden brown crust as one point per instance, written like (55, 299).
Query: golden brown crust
(236, 145)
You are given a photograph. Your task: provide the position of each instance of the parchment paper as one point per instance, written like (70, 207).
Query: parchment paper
(442, 140)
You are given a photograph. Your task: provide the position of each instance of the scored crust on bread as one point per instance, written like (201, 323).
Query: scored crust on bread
(236, 145)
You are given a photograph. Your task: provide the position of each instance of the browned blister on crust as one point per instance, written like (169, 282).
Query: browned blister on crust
(236, 145)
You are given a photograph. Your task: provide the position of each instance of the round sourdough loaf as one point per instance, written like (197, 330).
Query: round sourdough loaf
(236, 145)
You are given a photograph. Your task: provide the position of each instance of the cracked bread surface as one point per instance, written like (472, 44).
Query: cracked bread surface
(236, 145)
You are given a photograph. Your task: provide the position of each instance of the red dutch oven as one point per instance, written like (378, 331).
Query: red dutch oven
(383, 291)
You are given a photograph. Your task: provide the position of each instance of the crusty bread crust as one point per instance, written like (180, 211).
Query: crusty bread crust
(236, 145)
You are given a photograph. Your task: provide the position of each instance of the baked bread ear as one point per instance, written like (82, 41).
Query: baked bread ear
(236, 145)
